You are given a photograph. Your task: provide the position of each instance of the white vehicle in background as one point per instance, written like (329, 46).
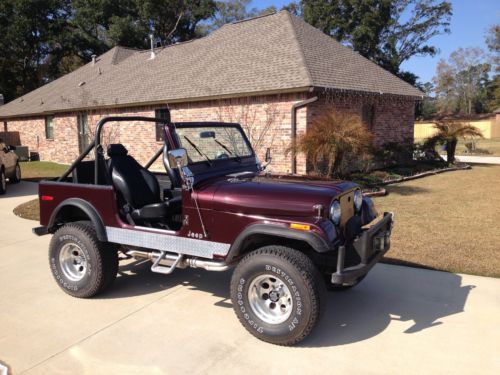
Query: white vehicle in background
(9, 166)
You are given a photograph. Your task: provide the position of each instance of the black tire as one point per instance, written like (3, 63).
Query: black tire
(16, 177)
(341, 288)
(3, 182)
(305, 293)
(100, 260)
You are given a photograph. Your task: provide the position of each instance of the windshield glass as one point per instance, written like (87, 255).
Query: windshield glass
(206, 144)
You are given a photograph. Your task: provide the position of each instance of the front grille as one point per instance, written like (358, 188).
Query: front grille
(347, 207)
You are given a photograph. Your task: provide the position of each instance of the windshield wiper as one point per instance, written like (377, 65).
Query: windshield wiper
(237, 157)
(198, 150)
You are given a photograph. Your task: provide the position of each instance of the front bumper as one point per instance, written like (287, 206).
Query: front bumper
(371, 245)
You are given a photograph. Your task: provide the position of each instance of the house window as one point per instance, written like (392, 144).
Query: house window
(367, 115)
(164, 114)
(49, 127)
(83, 131)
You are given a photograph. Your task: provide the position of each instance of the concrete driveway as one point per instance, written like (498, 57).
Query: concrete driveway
(399, 320)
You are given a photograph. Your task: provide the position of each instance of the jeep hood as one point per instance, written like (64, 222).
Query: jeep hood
(276, 197)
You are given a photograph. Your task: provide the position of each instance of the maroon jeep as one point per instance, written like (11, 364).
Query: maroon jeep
(212, 207)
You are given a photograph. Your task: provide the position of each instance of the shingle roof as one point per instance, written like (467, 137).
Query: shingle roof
(273, 53)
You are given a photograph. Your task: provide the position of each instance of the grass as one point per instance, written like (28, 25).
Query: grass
(492, 146)
(29, 210)
(37, 171)
(40, 170)
(447, 222)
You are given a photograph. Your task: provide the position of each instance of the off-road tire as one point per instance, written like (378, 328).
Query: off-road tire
(3, 182)
(341, 288)
(16, 177)
(101, 260)
(298, 273)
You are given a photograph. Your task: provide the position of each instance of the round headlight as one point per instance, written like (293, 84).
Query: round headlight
(335, 212)
(358, 200)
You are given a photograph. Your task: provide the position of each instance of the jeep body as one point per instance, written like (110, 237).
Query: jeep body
(217, 209)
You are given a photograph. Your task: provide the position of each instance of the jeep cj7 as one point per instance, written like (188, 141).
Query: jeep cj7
(289, 238)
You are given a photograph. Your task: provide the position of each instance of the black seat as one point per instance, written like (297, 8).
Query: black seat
(138, 187)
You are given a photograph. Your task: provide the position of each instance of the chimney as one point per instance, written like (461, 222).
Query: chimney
(93, 59)
(1, 100)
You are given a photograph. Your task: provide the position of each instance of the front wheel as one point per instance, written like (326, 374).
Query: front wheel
(82, 265)
(277, 294)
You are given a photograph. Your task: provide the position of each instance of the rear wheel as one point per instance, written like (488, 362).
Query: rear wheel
(3, 182)
(277, 294)
(16, 178)
(82, 265)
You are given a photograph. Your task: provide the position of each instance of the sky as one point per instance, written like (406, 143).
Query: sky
(470, 20)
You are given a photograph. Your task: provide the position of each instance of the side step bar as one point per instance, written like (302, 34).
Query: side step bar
(157, 267)
(165, 263)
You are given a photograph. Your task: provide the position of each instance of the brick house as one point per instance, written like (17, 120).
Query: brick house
(273, 74)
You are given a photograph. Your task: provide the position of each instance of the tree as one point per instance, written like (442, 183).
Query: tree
(493, 43)
(229, 11)
(29, 34)
(176, 20)
(448, 132)
(44, 39)
(387, 32)
(427, 108)
(493, 89)
(461, 81)
(101, 24)
(332, 139)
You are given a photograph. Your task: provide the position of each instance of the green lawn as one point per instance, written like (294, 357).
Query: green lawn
(39, 170)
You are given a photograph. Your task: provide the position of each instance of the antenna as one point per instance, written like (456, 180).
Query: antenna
(151, 38)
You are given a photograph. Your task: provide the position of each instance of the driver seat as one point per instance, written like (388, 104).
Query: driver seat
(138, 187)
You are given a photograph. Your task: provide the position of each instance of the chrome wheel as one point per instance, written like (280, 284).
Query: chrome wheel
(270, 299)
(73, 261)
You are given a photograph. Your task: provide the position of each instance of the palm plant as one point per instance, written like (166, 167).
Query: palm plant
(332, 138)
(448, 132)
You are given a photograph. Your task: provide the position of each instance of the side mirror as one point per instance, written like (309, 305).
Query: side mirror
(268, 155)
(178, 158)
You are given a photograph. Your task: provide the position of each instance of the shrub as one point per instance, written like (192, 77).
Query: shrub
(448, 132)
(333, 141)
(394, 153)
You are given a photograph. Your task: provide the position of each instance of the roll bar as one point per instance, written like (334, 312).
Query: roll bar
(96, 143)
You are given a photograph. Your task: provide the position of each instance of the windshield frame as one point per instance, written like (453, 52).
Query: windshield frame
(234, 159)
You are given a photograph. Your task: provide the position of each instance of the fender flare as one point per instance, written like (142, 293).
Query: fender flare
(314, 240)
(88, 209)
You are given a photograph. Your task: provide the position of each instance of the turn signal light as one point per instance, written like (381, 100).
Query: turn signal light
(298, 226)
(47, 198)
